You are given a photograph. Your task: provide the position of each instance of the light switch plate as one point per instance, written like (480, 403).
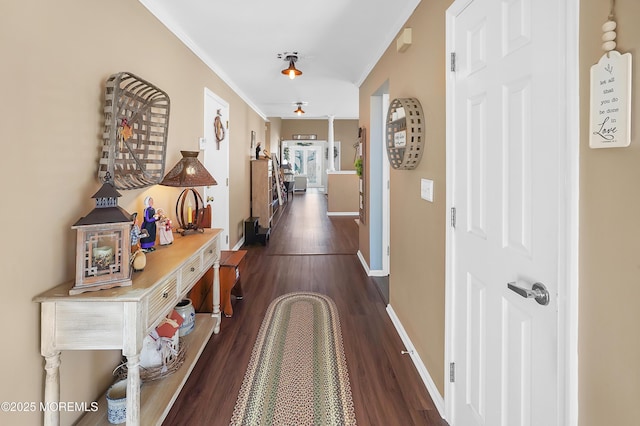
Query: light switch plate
(426, 189)
(203, 143)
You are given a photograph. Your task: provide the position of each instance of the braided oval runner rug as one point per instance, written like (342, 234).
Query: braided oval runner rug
(297, 374)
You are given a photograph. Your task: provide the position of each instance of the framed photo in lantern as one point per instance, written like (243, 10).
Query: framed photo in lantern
(103, 244)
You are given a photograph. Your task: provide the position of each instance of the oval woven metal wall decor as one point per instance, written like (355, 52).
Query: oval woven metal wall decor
(134, 142)
(405, 133)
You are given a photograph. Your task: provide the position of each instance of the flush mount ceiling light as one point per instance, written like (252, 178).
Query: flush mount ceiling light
(299, 110)
(292, 58)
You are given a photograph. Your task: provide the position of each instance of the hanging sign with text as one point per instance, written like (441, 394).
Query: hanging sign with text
(610, 115)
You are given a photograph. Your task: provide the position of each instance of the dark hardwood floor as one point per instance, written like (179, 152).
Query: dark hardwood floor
(308, 251)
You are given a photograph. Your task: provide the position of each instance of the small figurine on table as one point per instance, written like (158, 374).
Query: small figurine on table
(164, 228)
(258, 148)
(138, 258)
(148, 223)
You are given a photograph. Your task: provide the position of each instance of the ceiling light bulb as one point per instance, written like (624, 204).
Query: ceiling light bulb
(291, 71)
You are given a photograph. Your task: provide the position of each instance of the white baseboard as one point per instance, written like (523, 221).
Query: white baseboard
(363, 262)
(438, 400)
(370, 272)
(239, 244)
(343, 214)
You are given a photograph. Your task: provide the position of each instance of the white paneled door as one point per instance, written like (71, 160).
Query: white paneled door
(216, 160)
(507, 106)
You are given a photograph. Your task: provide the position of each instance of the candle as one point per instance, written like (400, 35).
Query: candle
(189, 214)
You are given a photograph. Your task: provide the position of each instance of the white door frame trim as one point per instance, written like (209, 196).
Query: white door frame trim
(386, 192)
(378, 183)
(568, 283)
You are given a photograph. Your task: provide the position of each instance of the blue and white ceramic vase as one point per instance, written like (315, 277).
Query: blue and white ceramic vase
(186, 310)
(117, 402)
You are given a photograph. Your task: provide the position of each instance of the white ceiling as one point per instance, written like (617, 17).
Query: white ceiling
(338, 43)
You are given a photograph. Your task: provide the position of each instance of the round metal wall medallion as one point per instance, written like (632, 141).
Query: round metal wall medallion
(405, 133)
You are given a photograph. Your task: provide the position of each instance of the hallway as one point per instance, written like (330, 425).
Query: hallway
(309, 251)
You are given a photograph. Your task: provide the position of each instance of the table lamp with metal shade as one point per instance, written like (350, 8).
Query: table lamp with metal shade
(189, 173)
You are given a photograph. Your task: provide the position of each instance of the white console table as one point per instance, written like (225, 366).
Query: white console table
(120, 318)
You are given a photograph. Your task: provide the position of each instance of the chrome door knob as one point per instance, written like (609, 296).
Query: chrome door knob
(538, 292)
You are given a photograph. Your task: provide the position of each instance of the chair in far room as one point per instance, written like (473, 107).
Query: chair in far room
(300, 183)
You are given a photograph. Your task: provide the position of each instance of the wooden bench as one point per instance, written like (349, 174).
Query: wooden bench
(231, 266)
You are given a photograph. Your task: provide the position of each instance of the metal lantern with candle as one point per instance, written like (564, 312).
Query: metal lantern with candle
(103, 244)
(189, 173)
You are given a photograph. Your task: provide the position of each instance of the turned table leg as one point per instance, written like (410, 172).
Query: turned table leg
(133, 390)
(51, 364)
(52, 389)
(216, 295)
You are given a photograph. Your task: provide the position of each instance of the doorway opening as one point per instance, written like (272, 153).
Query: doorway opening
(379, 184)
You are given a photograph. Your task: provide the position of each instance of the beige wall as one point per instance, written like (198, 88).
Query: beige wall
(342, 192)
(274, 129)
(417, 227)
(56, 57)
(609, 341)
(345, 131)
